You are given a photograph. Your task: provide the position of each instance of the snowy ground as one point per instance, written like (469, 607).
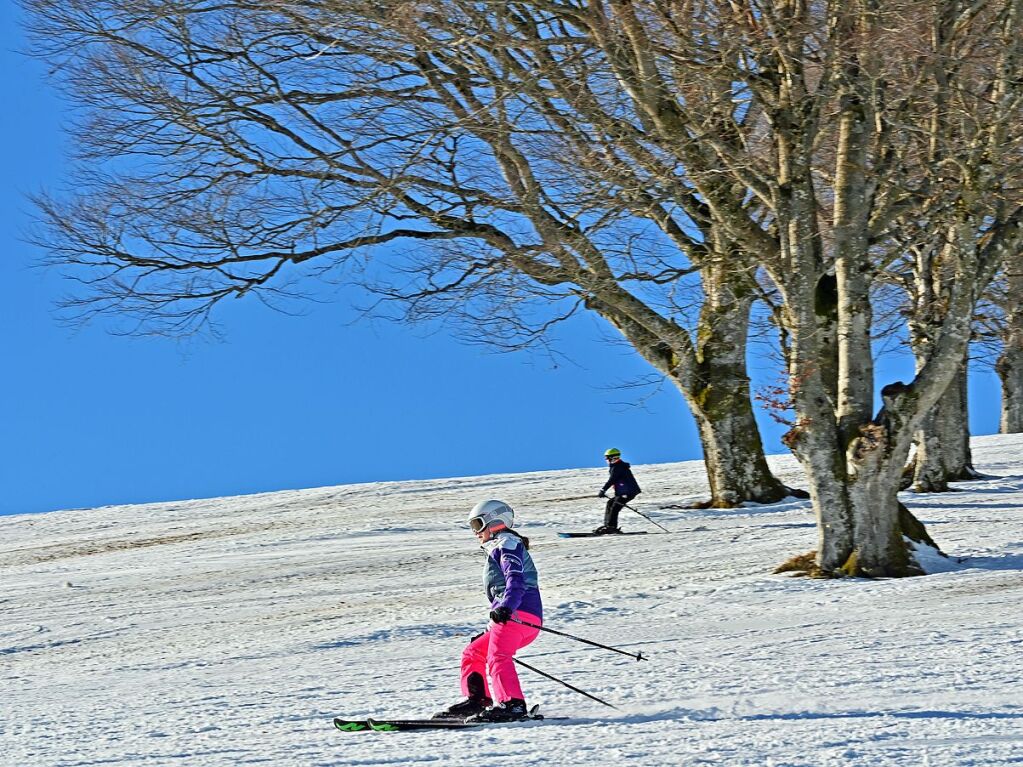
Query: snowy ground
(231, 631)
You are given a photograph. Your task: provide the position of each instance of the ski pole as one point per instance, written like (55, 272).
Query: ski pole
(637, 656)
(561, 681)
(646, 517)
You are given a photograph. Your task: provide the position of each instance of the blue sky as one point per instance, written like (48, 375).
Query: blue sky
(91, 419)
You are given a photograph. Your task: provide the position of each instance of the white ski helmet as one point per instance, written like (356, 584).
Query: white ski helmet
(486, 513)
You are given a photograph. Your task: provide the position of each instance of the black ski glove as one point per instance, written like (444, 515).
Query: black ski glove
(602, 494)
(500, 615)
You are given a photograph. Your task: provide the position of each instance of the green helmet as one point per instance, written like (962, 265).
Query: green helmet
(612, 452)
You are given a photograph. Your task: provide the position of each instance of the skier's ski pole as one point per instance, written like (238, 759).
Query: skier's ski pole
(560, 681)
(637, 656)
(646, 517)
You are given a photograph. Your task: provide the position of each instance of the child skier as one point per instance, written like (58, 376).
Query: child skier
(512, 587)
(625, 487)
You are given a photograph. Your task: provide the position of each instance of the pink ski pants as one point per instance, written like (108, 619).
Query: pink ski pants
(490, 655)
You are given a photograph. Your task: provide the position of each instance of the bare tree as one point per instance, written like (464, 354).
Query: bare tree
(853, 96)
(228, 143)
(775, 142)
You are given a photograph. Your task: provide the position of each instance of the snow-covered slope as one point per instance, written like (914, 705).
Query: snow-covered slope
(230, 631)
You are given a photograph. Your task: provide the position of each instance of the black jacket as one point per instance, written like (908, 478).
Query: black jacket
(622, 479)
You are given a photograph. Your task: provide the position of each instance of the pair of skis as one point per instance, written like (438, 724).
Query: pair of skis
(409, 725)
(595, 534)
(401, 725)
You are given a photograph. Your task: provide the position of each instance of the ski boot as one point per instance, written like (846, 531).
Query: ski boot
(512, 710)
(465, 709)
(477, 702)
(605, 530)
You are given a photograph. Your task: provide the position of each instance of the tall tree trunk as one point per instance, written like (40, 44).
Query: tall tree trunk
(1010, 363)
(865, 534)
(943, 441)
(882, 525)
(943, 438)
(1010, 370)
(853, 461)
(862, 527)
(733, 453)
(712, 377)
(719, 396)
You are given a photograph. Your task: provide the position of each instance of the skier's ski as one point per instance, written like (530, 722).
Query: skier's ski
(600, 535)
(401, 725)
(407, 725)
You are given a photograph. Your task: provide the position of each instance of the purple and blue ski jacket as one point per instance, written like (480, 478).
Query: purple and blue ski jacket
(510, 576)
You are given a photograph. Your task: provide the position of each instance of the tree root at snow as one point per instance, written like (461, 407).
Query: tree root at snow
(912, 528)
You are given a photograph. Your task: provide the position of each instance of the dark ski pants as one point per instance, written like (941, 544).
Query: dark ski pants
(614, 505)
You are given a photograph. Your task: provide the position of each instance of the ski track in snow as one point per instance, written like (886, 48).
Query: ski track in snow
(230, 631)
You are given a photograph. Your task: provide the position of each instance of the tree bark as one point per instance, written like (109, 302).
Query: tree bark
(875, 467)
(720, 397)
(861, 524)
(1010, 363)
(737, 469)
(943, 441)
(1010, 371)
